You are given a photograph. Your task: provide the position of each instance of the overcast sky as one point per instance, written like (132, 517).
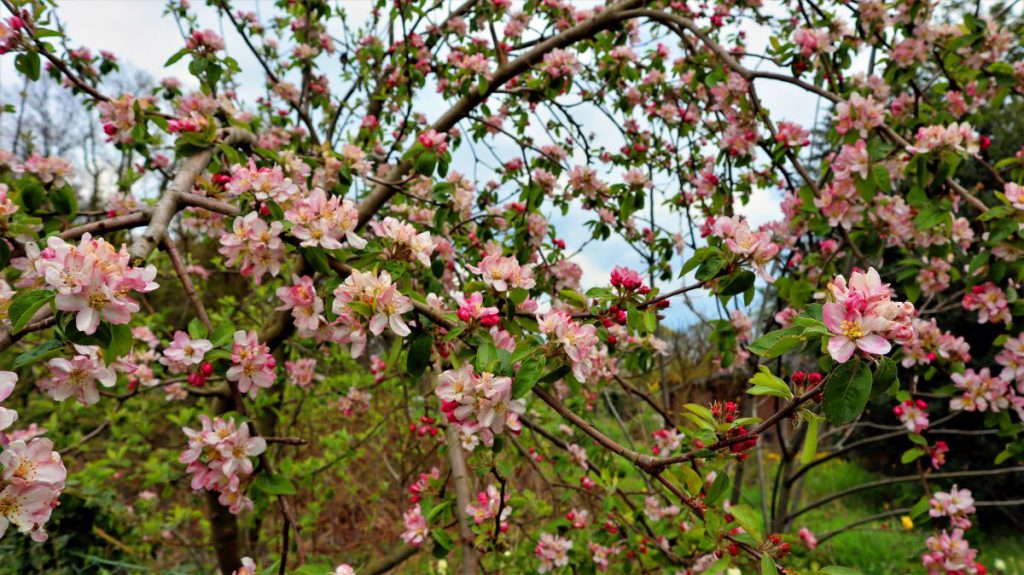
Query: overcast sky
(140, 35)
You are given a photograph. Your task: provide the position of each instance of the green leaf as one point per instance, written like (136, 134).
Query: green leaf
(884, 376)
(197, 329)
(175, 57)
(718, 489)
(426, 163)
(419, 354)
(274, 485)
(837, 570)
(767, 384)
(748, 520)
(120, 343)
(768, 565)
(222, 334)
(518, 295)
(847, 392)
(25, 305)
(738, 282)
(776, 343)
(810, 440)
(573, 298)
(36, 353)
(710, 268)
(527, 376)
(442, 539)
(486, 356)
(911, 454)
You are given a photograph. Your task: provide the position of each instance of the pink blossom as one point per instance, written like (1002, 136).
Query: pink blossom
(504, 273)
(253, 367)
(93, 280)
(301, 372)
(78, 376)
(218, 457)
(552, 551)
(253, 245)
(990, 303)
(184, 352)
(306, 306)
(322, 221)
(808, 538)
(416, 530)
(862, 316)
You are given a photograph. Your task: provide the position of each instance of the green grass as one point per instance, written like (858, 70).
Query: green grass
(883, 547)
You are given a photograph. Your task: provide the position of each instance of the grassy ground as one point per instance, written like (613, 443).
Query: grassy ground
(884, 547)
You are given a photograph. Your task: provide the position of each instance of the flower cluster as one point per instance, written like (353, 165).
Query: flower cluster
(218, 457)
(990, 303)
(472, 307)
(33, 474)
(950, 554)
(78, 376)
(416, 530)
(306, 306)
(486, 508)
(929, 343)
(93, 280)
(254, 245)
(321, 221)
(504, 273)
(756, 247)
(956, 504)
(666, 441)
(579, 341)
(983, 391)
(480, 403)
(184, 352)
(913, 415)
(253, 367)
(402, 242)
(552, 551)
(368, 295)
(862, 316)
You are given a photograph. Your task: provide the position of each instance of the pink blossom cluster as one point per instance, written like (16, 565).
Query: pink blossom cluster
(252, 365)
(792, 135)
(930, 343)
(552, 551)
(756, 247)
(859, 114)
(415, 530)
(219, 458)
(808, 538)
(77, 377)
(950, 554)
(811, 40)
(471, 307)
(666, 441)
(354, 402)
(960, 137)
(263, 183)
(254, 245)
(578, 340)
(372, 295)
(93, 280)
(628, 280)
(990, 303)
(862, 316)
(913, 415)
(956, 504)
(184, 352)
(602, 555)
(656, 512)
(301, 372)
(319, 220)
(402, 242)
(33, 474)
(983, 391)
(49, 169)
(504, 273)
(1011, 357)
(486, 507)
(559, 62)
(306, 306)
(118, 117)
(479, 403)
